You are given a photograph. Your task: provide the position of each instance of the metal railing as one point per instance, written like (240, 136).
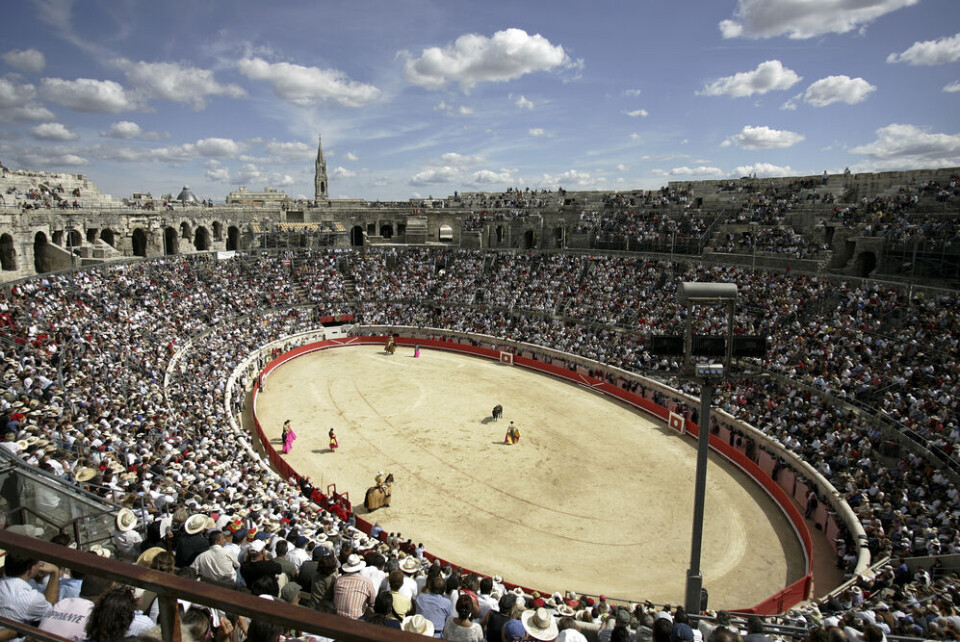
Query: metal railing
(170, 588)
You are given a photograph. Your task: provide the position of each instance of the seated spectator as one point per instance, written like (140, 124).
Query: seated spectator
(18, 600)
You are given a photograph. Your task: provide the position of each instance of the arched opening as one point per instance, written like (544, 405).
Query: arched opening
(139, 241)
(499, 234)
(233, 239)
(108, 236)
(57, 237)
(185, 230)
(41, 262)
(356, 236)
(201, 239)
(217, 231)
(528, 240)
(558, 235)
(386, 231)
(323, 188)
(74, 238)
(171, 245)
(92, 235)
(8, 253)
(865, 264)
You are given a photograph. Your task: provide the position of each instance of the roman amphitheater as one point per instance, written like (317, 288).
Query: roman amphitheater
(153, 348)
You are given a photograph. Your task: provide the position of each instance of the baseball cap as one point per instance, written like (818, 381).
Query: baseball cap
(514, 629)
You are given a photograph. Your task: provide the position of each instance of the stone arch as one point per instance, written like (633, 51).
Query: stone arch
(865, 264)
(171, 244)
(356, 236)
(386, 230)
(57, 238)
(8, 253)
(92, 235)
(233, 238)
(499, 234)
(201, 239)
(528, 240)
(41, 259)
(74, 238)
(108, 236)
(217, 231)
(185, 230)
(139, 241)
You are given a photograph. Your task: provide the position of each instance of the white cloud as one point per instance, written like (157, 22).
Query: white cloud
(350, 156)
(171, 81)
(436, 175)
(635, 137)
(631, 92)
(49, 157)
(488, 177)
(952, 87)
(622, 168)
(465, 111)
(218, 174)
(523, 103)
(570, 177)
(52, 131)
(342, 172)
(768, 76)
(290, 151)
(29, 60)
(86, 94)
(908, 146)
(473, 58)
(930, 52)
(699, 171)
(18, 102)
(537, 132)
(308, 86)
(459, 160)
(763, 138)
(837, 89)
(801, 19)
(122, 129)
(219, 147)
(642, 113)
(763, 169)
(791, 105)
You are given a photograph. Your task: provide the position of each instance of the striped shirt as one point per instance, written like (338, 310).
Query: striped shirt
(21, 602)
(352, 594)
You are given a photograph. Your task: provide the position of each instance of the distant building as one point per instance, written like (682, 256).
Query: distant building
(320, 183)
(269, 197)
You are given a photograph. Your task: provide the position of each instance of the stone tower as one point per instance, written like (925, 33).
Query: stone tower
(320, 178)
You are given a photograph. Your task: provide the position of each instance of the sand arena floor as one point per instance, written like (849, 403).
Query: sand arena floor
(595, 498)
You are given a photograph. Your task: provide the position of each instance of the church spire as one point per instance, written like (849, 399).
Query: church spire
(320, 177)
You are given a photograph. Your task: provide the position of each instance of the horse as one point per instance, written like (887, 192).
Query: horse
(379, 495)
(497, 412)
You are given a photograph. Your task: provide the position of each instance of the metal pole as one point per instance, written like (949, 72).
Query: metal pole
(694, 576)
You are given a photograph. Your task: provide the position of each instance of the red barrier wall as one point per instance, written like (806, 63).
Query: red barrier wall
(778, 603)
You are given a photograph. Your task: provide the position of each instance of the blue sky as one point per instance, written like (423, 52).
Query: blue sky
(428, 97)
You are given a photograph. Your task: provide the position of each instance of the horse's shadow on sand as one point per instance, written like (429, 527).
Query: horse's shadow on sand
(488, 420)
(322, 451)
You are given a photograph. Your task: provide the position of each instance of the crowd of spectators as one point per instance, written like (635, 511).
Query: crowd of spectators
(89, 395)
(776, 239)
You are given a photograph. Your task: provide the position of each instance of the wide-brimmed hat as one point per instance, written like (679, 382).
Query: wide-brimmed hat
(195, 523)
(565, 611)
(126, 520)
(354, 563)
(540, 624)
(409, 565)
(417, 624)
(86, 474)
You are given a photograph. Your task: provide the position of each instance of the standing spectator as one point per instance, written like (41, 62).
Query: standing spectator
(353, 593)
(217, 564)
